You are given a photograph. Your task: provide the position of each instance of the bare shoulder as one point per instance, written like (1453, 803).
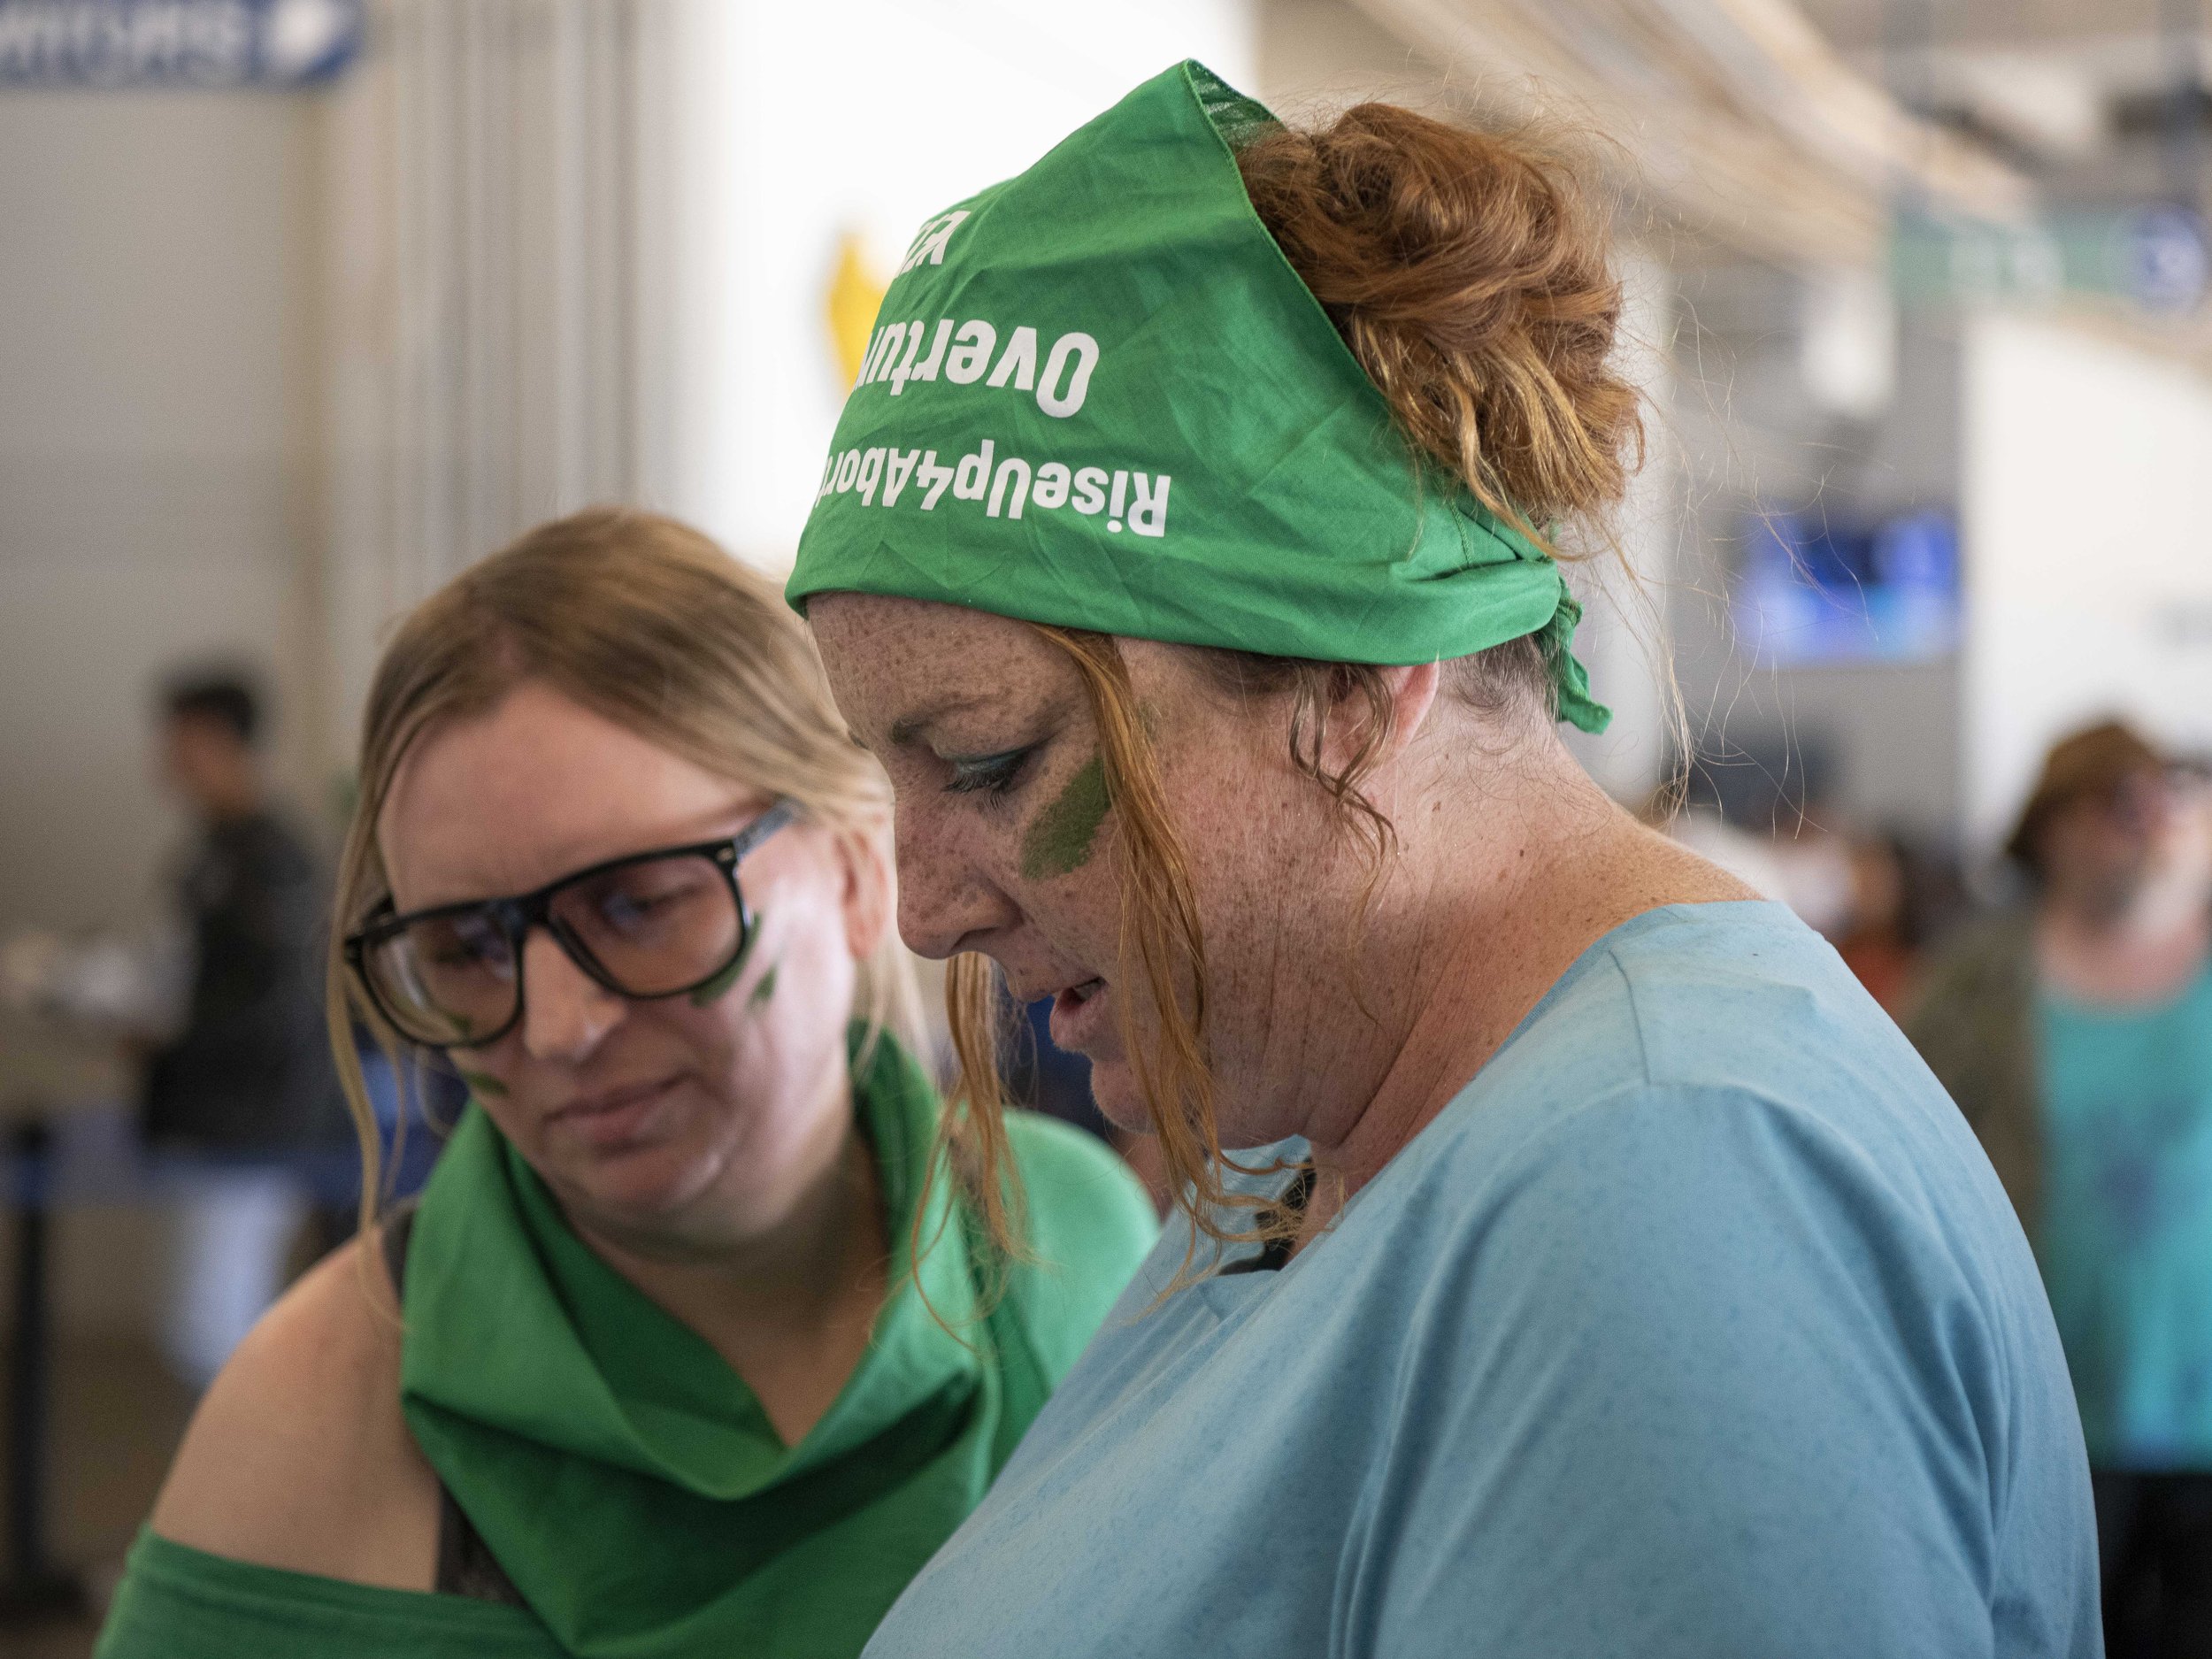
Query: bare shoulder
(299, 1457)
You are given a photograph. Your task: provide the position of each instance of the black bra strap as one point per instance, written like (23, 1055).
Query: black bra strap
(465, 1563)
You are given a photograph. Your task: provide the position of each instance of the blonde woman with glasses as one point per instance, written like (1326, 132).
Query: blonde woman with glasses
(694, 1343)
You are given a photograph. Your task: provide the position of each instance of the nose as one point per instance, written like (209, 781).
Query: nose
(565, 1013)
(944, 900)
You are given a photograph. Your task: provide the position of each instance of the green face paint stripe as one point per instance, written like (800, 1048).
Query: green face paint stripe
(762, 992)
(1061, 837)
(482, 1083)
(718, 987)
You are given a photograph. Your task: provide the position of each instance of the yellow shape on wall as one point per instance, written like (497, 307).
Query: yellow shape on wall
(855, 295)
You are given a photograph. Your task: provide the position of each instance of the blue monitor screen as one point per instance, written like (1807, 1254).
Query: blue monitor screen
(1813, 588)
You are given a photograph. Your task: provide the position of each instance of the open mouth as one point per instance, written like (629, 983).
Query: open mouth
(1076, 996)
(1076, 1013)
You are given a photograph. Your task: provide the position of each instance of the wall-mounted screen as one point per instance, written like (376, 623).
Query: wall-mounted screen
(1814, 587)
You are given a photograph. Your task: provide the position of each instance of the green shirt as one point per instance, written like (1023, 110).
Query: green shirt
(626, 1480)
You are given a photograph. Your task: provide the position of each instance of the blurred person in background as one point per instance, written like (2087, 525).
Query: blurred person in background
(1876, 938)
(696, 1343)
(2075, 1034)
(250, 1066)
(224, 1002)
(247, 1082)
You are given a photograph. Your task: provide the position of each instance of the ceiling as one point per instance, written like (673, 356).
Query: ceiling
(1859, 25)
(1737, 120)
(2055, 84)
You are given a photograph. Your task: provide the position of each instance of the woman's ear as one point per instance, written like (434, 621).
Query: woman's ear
(1406, 696)
(1412, 691)
(870, 899)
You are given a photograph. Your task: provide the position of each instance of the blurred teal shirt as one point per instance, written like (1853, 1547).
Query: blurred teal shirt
(1696, 1326)
(2126, 1221)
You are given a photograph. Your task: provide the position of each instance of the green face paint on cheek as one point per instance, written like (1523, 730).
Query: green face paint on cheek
(715, 989)
(1060, 838)
(482, 1083)
(763, 991)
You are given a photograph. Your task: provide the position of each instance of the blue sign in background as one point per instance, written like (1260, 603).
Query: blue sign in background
(176, 42)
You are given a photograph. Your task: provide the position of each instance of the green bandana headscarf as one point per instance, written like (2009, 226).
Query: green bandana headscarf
(1098, 396)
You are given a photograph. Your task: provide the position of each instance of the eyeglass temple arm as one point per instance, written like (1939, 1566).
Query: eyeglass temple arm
(762, 827)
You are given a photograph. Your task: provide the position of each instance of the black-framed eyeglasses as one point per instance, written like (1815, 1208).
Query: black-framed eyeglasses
(647, 926)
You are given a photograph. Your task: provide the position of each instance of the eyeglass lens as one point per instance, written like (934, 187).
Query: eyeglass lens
(646, 929)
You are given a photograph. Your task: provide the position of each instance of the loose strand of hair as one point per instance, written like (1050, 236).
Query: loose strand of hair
(972, 1149)
(1161, 930)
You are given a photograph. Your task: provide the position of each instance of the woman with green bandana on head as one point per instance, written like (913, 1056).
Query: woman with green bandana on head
(693, 1345)
(1572, 1258)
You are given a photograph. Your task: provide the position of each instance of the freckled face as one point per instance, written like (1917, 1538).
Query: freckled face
(1006, 841)
(699, 1115)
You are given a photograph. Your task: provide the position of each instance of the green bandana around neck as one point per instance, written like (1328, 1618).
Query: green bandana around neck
(628, 1480)
(1098, 396)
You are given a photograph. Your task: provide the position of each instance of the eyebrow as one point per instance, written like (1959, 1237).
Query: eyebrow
(906, 731)
(675, 842)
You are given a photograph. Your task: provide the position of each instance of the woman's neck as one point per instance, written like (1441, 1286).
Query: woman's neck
(1561, 866)
(790, 1309)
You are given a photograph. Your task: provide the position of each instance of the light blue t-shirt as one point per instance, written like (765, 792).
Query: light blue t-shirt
(2126, 1221)
(1696, 1326)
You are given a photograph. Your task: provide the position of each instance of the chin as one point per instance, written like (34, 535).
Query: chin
(1115, 1092)
(642, 1186)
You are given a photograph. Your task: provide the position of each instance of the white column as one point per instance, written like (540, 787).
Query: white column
(483, 336)
(2087, 524)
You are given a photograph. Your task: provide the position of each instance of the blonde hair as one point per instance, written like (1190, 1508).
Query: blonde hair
(1471, 278)
(644, 621)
